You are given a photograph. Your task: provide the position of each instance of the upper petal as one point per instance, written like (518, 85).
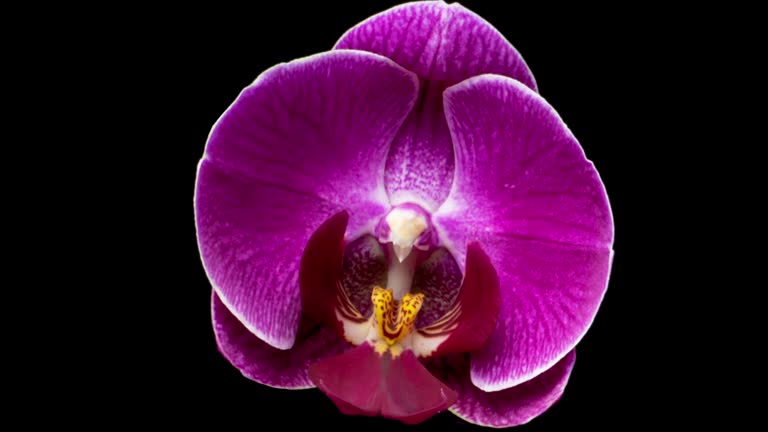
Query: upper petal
(443, 44)
(439, 42)
(525, 190)
(306, 140)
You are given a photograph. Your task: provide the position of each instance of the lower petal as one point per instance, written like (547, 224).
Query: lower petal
(265, 364)
(511, 407)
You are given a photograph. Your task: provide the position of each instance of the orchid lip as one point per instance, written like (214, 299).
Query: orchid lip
(383, 374)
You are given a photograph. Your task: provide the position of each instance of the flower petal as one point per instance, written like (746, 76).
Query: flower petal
(362, 382)
(439, 42)
(513, 406)
(443, 44)
(525, 190)
(262, 362)
(307, 139)
(470, 322)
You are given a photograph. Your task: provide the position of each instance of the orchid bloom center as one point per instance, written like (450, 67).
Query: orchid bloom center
(393, 319)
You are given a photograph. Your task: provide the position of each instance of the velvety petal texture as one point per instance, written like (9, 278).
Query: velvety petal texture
(505, 408)
(266, 364)
(524, 189)
(307, 139)
(362, 382)
(443, 44)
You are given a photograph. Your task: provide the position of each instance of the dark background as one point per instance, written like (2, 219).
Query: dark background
(604, 70)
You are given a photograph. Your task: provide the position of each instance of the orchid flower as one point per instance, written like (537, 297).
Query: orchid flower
(404, 223)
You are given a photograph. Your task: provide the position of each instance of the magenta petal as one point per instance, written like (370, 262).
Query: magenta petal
(525, 190)
(443, 44)
(513, 406)
(306, 140)
(439, 42)
(264, 363)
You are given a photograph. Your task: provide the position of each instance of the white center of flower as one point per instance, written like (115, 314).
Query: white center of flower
(405, 227)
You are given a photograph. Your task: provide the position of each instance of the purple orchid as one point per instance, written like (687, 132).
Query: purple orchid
(404, 223)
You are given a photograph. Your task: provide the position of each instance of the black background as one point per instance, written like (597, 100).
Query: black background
(603, 70)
